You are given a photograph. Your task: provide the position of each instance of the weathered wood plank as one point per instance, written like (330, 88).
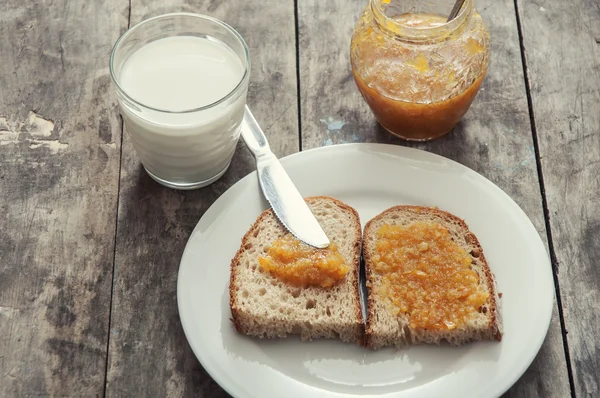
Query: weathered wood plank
(59, 151)
(494, 138)
(562, 47)
(148, 354)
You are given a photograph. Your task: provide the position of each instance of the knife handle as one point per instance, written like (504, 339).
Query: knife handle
(253, 135)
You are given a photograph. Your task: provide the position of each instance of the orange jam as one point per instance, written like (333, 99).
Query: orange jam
(299, 264)
(418, 87)
(418, 121)
(427, 276)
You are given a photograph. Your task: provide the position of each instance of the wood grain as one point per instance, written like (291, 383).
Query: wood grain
(494, 138)
(59, 151)
(149, 355)
(563, 65)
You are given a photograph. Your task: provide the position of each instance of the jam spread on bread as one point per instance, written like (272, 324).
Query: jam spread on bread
(427, 276)
(299, 264)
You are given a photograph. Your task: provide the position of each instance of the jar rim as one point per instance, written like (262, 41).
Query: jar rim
(411, 33)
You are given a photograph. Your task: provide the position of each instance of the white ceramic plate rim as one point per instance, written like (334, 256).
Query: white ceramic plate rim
(545, 300)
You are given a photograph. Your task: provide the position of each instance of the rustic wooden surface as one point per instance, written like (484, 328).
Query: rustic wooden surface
(494, 138)
(563, 66)
(59, 168)
(89, 242)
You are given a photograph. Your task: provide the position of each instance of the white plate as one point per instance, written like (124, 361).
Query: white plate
(371, 178)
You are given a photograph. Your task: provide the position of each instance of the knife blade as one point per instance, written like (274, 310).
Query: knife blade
(279, 190)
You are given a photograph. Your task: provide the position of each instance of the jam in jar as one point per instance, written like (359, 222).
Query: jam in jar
(417, 72)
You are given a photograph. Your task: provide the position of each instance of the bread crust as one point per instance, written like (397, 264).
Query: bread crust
(235, 312)
(495, 322)
(235, 315)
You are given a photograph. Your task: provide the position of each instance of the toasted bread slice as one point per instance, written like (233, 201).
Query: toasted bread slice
(262, 305)
(384, 327)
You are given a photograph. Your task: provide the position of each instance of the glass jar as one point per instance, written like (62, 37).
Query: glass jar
(417, 72)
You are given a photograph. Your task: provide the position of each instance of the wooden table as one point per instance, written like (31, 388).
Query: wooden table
(90, 245)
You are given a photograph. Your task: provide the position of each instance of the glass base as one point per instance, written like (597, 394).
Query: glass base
(416, 139)
(186, 186)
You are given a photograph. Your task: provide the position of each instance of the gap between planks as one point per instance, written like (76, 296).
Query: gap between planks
(298, 98)
(112, 279)
(545, 209)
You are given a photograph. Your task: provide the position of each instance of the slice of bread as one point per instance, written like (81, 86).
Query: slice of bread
(264, 306)
(384, 327)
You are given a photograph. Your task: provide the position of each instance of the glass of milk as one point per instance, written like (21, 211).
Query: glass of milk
(181, 81)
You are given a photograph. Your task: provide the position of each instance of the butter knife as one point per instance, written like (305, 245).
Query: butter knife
(279, 190)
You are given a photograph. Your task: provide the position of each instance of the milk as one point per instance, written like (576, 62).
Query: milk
(167, 80)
